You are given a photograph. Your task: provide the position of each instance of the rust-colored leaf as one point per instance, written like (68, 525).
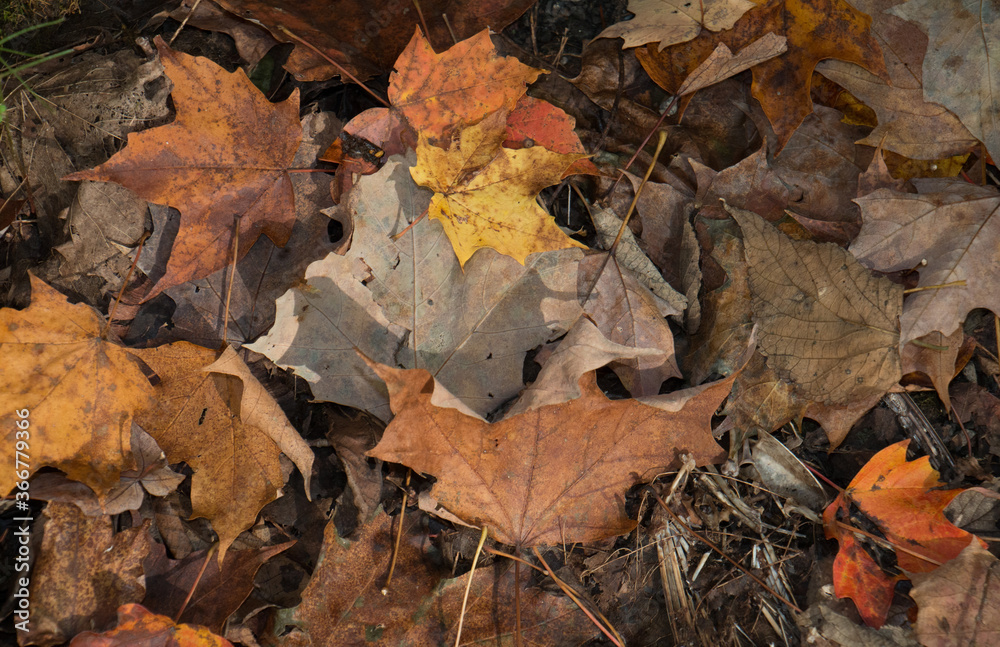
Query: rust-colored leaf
(533, 479)
(900, 501)
(137, 626)
(78, 392)
(781, 84)
(222, 163)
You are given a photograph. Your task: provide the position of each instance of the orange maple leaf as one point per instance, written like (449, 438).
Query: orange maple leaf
(138, 626)
(897, 500)
(223, 161)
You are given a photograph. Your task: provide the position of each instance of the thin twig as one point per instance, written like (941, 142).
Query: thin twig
(334, 63)
(194, 8)
(423, 23)
(232, 279)
(732, 561)
(885, 543)
(468, 585)
(638, 192)
(399, 533)
(621, 174)
(204, 565)
(951, 284)
(451, 31)
(128, 275)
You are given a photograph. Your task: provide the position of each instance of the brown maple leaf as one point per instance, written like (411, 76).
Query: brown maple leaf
(77, 392)
(781, 84)
(222, 163)
(557, 473)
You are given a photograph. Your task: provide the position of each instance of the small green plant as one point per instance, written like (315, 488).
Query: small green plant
(8, 69)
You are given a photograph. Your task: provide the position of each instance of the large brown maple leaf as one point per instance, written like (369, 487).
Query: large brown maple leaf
(222, 163)
(553, 474)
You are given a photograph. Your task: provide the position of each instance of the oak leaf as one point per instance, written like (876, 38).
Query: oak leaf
(217, 418)
(826, 323)
(959, 69)
(781, 84)
(484, 194)
(222, 163)
(667, 22)
(408, 302)
(554, 474)
(952, 225)
(901, 502)
(137, 626)
(80, 392)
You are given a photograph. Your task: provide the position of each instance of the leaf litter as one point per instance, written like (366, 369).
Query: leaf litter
(463, 336)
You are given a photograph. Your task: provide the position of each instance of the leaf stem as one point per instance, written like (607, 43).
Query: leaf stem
(204, 565)
(638, 191)
(935, 287)
(468, 585)
(399, 533)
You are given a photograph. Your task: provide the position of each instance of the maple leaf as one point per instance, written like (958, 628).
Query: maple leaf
(137, 626)
(222, 163)
(959, 69)
(77, 391)
(213, 415)
(952, 225)
(533, 479)
(900, 501)
(408, 302)
(781, 84)
(827, 324)
(667, 22)
(485, 194)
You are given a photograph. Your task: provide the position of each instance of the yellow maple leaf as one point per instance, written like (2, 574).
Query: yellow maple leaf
(484, 194)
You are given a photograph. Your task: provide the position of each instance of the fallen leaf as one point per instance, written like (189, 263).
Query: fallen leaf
(722, 63)
(781, 84)
(530, 478)
(484, 194)
(252, 41)
(220, 421)
(344, 602)
(408, 302)
(902, 502)
(82, 393)
(953, 226)
(583, 349)
(827, 324)
(151, 474)
(222, 163)
(351, 435)
(935, 356)
(959, 603)
(365, 38)
(534, 122)
(137, 626)
(82, 572)
(958, 73)
(666, 22)
(627, 313)
(219, 589)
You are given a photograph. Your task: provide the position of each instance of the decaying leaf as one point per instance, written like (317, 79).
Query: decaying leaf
(207, 415)
(408, 302)
(137, 626)
(666, 22)
(900, 501)
(953, 226)
(77, 390)
(959, 68)
(223, 164)
(959, 603)
(531, 478)
(826, 323)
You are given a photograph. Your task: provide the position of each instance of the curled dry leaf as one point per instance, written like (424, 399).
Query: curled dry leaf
(206, 415)
(826, 322)
(902, 502)
(533, 479)
(77, 391)
(666, 22)
(953, 226)
(223, 164)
